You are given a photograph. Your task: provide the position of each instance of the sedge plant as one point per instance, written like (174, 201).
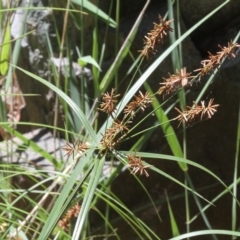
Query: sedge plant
(77, 186)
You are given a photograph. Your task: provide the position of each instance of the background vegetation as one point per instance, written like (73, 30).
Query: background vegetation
(104, 125)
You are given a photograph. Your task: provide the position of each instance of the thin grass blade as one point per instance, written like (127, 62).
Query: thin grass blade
(72, 104)
(175, 231)
(95, 10)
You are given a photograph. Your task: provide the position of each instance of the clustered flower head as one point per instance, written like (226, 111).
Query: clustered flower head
(120, 128)
(156, 36)
(197, 112)
(115, 134)
(141, 102)
(181, 79)
(109, 101)
(214, 61)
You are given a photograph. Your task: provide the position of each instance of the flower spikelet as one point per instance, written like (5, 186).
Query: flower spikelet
(135, 163)
(208, 110)
(108, 103)
(142, 101)
(174, 82)
(69, 149)
(82, 147)
(197, 112)
(156, 36)
(230, 51)
(79, 147)
(114, 135)
(214, 61)
(72, 212)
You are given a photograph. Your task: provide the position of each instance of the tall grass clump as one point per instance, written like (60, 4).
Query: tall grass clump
(62, 204)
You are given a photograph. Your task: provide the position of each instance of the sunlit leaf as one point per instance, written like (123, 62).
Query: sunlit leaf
(83, 61)
(5, 50)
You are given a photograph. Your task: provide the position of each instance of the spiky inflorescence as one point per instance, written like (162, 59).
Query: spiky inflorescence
(118, 131)
(155, 36)
(175, 82)
(72, 212)
(135, 163)
(114, 135)
(109, 101)
(214, 61)
(79, 147)
(142, 101)
(197, 112)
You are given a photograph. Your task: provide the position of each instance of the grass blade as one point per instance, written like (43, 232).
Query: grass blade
(95, 10)
(67, 99)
